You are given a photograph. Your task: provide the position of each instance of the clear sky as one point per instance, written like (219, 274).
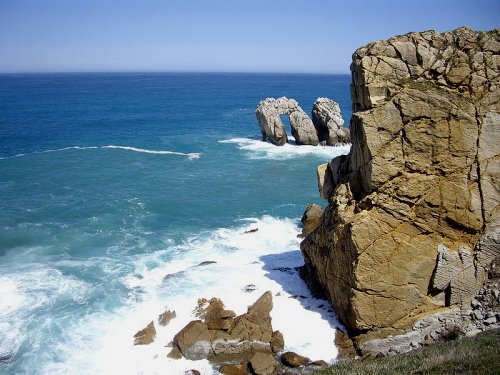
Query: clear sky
(215, 35)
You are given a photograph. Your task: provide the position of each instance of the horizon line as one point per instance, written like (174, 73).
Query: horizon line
(169, 72)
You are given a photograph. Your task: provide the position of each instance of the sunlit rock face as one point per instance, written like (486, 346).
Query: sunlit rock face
(413, 219)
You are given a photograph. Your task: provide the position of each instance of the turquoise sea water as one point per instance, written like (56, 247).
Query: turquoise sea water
(109, 182)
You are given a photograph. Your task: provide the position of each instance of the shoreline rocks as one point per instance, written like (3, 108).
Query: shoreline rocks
(222, 336)
(412, 222)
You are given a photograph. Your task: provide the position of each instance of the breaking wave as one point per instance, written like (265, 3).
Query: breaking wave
(191, 155)
(257, 149)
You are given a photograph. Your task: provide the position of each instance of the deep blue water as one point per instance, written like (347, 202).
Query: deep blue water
(79, 218)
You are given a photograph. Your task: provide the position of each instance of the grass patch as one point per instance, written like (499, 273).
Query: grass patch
(476, 355)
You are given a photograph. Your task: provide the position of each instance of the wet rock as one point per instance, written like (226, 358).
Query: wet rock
(293, 359)
(145, 336)
(175, 353)
(277, 341)
(223, 337)
(166, 317)
(192, 372)
(262, 364)
(233, 369)
(194, 341)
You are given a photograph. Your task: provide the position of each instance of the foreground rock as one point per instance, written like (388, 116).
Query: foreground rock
(268, 113)
(222, 336)
(293, 359)
(413, 222)
(328, 122)
(145, 336)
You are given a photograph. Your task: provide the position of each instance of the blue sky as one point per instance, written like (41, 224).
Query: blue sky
(316, 36)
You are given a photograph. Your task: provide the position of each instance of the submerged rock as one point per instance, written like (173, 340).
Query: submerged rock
(413, 217)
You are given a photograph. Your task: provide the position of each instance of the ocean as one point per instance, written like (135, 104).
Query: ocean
(115, 187)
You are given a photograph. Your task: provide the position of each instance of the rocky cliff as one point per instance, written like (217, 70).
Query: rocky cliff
(413, 220)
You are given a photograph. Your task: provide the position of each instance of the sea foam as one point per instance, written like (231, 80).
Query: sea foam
(257, 149)
(191, 155)
(257, 255)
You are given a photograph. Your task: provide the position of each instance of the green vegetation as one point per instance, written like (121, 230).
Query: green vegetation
(477, 355)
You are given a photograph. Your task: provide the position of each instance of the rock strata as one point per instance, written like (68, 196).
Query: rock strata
(413, 221)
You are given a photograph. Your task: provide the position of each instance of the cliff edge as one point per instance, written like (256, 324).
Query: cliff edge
(412, 223)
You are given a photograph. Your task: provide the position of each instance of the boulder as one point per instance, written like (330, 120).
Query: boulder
(145, 336)
(412, 221)
(292, 359)
(194, 341)
(272, 128)
(329, 124)
(221, 336)
(233, 369)
(262, 364)
(277, 341)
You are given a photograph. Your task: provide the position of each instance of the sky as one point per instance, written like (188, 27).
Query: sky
(300, 36)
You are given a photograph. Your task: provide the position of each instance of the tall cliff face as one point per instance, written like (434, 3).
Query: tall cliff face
(413, 216)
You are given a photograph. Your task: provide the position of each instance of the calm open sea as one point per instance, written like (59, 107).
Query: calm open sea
(110, 182)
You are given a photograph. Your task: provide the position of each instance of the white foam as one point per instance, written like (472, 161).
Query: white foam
(103, 342)
(25, 291)
(257, 149)
(191, 156)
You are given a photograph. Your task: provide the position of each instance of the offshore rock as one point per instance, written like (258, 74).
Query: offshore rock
(413, 218)
(222, 336)
(268, 113)
(329, 124)
(145, 336)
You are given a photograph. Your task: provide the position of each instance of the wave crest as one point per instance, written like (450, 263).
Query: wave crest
(190, 156)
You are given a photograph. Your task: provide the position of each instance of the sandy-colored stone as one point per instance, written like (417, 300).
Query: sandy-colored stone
(292, 359)
(423, 174)
(263, 364)
(166, 317)
(311, 218)
(145, 336)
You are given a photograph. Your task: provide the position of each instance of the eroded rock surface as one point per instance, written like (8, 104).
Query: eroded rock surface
(413, 217)
(328, 122)
(272, 128)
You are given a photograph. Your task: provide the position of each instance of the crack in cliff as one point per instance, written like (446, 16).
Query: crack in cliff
(480, 188)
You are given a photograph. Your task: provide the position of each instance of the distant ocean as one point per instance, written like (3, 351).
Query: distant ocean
(111, 182)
